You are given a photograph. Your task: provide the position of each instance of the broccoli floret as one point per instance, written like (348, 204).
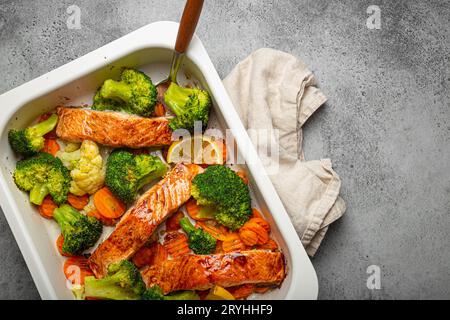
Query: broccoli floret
(156, 293)
(122, 282)
(30, 141)
(153, 293)
(134, 93)
(222, 188)
(189, 105)
(78, 292)
(80, 232)
(126, 173)
(41, 175)
(200, 241)
(102, 104)
(182, 295)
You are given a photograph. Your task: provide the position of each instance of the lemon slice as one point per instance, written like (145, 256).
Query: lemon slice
(197, 149)
(219, 293)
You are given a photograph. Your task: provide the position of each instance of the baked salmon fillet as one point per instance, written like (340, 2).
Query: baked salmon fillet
(114, 129)
(201, 272)
(139, 222)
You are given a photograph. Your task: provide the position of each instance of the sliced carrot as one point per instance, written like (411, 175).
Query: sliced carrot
(47, 207)
(173, 223)
(243, 175)
(78, 202)
(248, 237)
(59, 245)
(160, 110)
(160, 253)
(269, 245)
(108, 205)
(255, 231)
(242, 292)
(192, 208)
(219, 232)
(76, 269)
(233, 243)
(51, 146)
(102, 219)
(256, 213)
(144, 256)
(176, 244)
(198, 212)
(263, 223)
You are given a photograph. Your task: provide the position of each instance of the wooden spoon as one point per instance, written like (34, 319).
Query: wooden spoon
(188, 23)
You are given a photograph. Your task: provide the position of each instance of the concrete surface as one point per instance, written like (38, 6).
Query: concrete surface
(386, 126)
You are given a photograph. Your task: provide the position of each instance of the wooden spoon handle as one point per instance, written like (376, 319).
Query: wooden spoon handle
(188, 23)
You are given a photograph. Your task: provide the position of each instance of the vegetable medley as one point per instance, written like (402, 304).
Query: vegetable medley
(84, 185)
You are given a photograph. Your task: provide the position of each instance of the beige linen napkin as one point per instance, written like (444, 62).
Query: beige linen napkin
(271, 89)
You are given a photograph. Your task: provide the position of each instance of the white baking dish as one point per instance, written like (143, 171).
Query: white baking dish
(148, 49)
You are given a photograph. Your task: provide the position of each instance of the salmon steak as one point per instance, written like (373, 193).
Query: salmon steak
(114, 129)
(201, 272)
(140, 221)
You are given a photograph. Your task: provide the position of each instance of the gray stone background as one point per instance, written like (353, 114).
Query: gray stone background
(386, 126)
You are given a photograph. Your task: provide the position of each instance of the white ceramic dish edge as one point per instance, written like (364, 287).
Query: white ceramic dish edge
(304, 284)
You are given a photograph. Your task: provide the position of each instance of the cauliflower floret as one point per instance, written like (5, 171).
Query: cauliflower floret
(71, 146)
(69, 159)
(87, 170)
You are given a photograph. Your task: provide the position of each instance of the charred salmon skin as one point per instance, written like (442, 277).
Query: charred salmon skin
(139, 222)
(114, 129)
(201, 272)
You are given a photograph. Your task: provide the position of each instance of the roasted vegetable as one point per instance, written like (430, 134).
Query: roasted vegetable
(189, 105)
(76, 269)
(41, 175)
(51, 146)
(219, 293)
(255, 232)
(222, 188)
(134, 93)
(199, 213)
(126, 173)
(47, 207)
(153, 293)
(156, 293)
(30, 141)
(80, 232)
(233, 243)
(122, 282)
(200, 241)
(78, 292)
(86, 168)
(78, 202)
(108, 205)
